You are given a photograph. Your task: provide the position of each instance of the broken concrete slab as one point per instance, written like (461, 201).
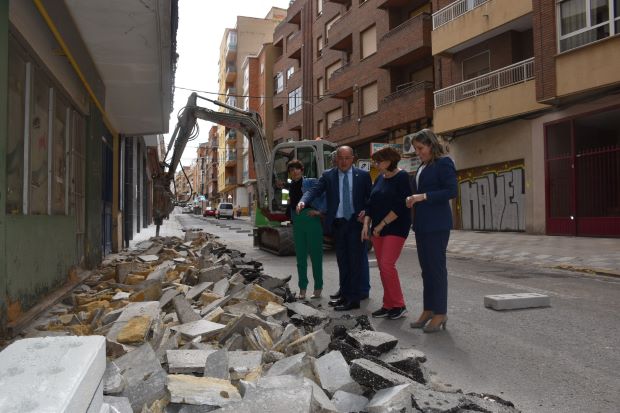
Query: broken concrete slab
(290, 366)
(274, 310)
(149, 309)
(243, 307)
(242, 364)
(280, 400)
(212, 274)
(118, 404)
(244, 321)
(320, 401)
(372, 342)
(349, 402)
(184, 310)
(216, 365)
(148, 258)
(516, 301)
(145, 379)
(122, 270)
(205, 329)
(430, 401)
(261, 295)
(201, 390)
(135, 330)
(187, 361)
(113, 382)
(159, 273)
(332, 373)
(221, 287)
(305, 310)
(196, 290)
(392, 399)
(167, 297)
(313, 344)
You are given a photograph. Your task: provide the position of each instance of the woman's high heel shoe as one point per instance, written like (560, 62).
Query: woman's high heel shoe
(436, 328)
(421, 322)
(302, 294)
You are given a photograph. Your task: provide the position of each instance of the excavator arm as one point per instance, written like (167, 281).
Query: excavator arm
(249, 123)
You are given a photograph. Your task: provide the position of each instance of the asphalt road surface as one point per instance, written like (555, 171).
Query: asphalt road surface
(558, 359)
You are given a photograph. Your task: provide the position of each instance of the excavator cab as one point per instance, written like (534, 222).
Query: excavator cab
(314, 155)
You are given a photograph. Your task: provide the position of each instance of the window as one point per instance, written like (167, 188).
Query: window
(319, 7)
(278, 82)
(320, 87)
(308, 157)
(290, 71)
(585, 21)
(369, 42)
(294, 101)
(328, 26)
(319, 46)
(370, 100)
(476, 65)
(329, 70)
(333, 116)
(44, 156)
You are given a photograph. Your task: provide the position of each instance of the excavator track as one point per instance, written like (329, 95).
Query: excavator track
(277, 240)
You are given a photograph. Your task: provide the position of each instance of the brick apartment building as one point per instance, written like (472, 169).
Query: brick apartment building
(239, 43)
(367, 76)
(212, 194)
(527, 95)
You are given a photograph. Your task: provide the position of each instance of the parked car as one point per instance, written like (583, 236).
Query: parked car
(186, 210)
(208, 212)
(225, 210)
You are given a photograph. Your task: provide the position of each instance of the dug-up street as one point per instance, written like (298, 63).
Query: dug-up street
(563, 358)
(199, 320)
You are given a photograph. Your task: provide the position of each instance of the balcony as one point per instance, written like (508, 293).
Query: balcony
(406, 43)
(230, 180)
(231, 91)
(231, 72)
(231, 136)
(293, 45)
(231, 45)
(393, 4)
(231, 158)
(500, 94)
(594, 66)
(340, 36)
(293, 121)
(343, 79)
(462, 22)
(294, 81)
(410, 102)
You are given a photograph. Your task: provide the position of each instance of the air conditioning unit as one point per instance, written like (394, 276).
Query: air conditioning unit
(408, 148)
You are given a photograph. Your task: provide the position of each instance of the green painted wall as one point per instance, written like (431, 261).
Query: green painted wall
(39, 253)
(4, 67)
(93, 177)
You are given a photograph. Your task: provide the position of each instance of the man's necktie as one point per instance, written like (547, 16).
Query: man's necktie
(346, 198)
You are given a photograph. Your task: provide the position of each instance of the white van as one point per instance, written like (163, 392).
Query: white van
(225, 210)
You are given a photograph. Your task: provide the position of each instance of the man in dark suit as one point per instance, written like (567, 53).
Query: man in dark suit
(347, 189)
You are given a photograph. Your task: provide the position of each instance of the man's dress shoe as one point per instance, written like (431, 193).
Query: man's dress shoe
(335, 296)
(334, 303)
(352, 305)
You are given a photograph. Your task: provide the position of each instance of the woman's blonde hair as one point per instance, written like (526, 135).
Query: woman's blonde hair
(428, 138)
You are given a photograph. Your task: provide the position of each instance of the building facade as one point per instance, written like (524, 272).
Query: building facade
(246, 39)
(527, 95)
(73, 121)
(367, 77)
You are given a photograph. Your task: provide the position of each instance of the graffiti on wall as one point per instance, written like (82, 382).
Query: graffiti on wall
(492, 198)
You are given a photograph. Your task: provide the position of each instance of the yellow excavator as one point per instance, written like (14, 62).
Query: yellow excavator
(271, 232)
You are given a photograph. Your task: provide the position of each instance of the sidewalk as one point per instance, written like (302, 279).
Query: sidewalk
(593, 255)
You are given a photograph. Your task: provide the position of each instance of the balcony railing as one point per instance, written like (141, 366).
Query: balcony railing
(507, 76)
(341, 121)
(407, 88)
(454, 11)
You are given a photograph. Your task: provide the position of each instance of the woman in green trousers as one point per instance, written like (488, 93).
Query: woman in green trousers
(307, 230)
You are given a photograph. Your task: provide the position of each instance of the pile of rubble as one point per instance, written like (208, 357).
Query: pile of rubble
(192, 326)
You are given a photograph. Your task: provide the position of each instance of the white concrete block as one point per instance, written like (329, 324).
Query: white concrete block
(51, 374)
(516, 301)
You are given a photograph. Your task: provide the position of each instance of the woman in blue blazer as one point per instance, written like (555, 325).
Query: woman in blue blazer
(433, 187)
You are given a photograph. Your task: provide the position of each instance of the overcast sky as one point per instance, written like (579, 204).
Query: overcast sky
(201, 27)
